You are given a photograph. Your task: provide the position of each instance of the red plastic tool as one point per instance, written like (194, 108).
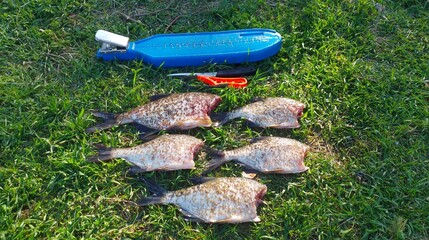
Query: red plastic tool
(232, 78)
(238, 82)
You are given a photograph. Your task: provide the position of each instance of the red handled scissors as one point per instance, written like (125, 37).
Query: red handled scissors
(232, 78)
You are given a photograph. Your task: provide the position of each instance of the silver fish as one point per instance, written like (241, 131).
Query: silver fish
(166, 153)
(215, 200)
(265, 154)
(176, 111)
(275, 112)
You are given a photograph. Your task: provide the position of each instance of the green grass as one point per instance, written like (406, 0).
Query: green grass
(361, 67)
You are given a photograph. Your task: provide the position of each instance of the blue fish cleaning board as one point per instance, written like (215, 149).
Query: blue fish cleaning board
(192, 49)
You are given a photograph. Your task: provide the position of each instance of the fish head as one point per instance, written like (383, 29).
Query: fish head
(194, 145)
(211, 101)
(260, 193)
(293, 110)
(305, 149)
(296, 107)
(195, 148)
(255, 189)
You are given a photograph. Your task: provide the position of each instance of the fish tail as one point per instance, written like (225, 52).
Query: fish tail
(104, 153)
(220, 118)
(218, 158)
(153, 187)
(110, 120)
(104, 115)
(157, 190)
(149, 201)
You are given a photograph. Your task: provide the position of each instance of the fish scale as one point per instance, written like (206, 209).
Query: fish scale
(176, 111)
(226, 199)
(164, 111)
(266, 154)
(275, 112)
(167, 152)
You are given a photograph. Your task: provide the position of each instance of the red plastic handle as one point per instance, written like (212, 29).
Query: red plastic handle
(238, 82)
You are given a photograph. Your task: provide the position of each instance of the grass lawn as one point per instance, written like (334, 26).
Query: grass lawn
(361, 68)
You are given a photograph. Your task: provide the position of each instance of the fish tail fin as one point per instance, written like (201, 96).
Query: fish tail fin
(200, 180)
(218, 158)
(104, 153)
(110, 120)
(219, 118)
(104, 115)
(150, 200)
(157, 190)
(153, 187)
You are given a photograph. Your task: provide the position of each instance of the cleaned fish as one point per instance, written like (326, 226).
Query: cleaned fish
(214, 200)
(179, 111)
(166, 153)
(275, 112)
(266, 155)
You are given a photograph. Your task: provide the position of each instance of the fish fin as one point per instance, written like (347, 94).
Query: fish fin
(148, 135)
(193, 219)
(104, 115)
(200, 180)
(282, 171)
(110, 120)
(248, 175)
(153, 187)
(102, 126)
(279, 170)
(218, 158)
(257, 99)
(226, 220)
(143, 129)
(147, 138)
(251, 124)
(250, 170)
(158, 96)
(213, 152)
(190, 217)
(257, 139)
(202, 121)
(205, 121)
(213, 164)
(219, 118)
(100, 146)
(150, 200)
(287, 125)
(104, 153)
(134, 170)
(158, 191)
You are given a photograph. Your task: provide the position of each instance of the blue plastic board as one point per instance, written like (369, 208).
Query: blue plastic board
(196, 49)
